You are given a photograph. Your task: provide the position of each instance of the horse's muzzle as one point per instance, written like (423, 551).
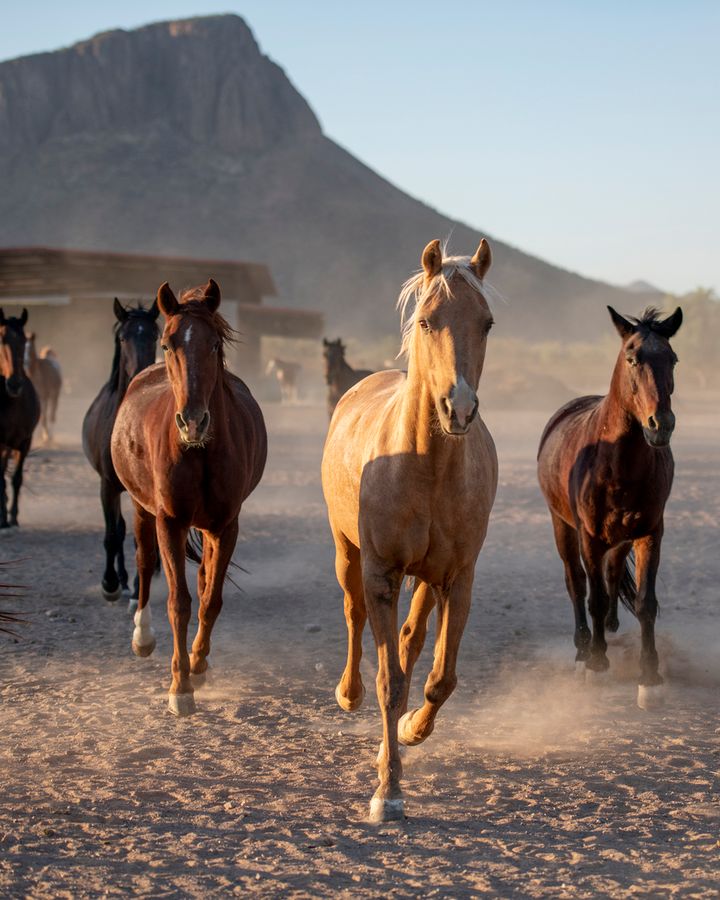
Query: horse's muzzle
(14, 386)
(459, 409)
(193, 431)
(659, 429)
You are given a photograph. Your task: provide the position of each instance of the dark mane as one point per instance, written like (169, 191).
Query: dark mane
(137, 312)
(193, 304)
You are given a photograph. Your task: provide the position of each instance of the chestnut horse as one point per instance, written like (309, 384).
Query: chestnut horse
(189, 444)
(339, 375)
(606, 469)
(409, 475)
(46, 375)
(19, 410)
(136, 335)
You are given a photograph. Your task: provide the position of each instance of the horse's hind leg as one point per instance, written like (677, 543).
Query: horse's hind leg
(121, 570)
(17, 480)
(217, 553)
(452, 612)
(647, 560)
(566, 540)
(172, 537)
(614, 570)
(414, 630)
(143, 641)
(4, 457)
(350, 691)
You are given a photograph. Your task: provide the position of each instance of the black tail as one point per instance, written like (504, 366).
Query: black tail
(194, 550)
(628, 588)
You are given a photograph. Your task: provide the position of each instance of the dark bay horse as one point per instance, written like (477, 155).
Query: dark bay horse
(136, 335)
(46, 375)
(606, 470)
(409, 475)
(339, 375)
(189, 444)
(19, 410)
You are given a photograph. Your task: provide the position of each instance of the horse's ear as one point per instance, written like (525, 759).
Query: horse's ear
(624, 328)
(2, 316)
(24, 317)
(121, 313)
(154, 310)
(326, 342)
(167, 301)
(481, 262)
(212, 295)
(432, 259)
(668, 327)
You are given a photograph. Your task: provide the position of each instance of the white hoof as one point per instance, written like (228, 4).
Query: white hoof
(132, 605)
(650, 696)
(405, 733)
(143, 639)
(143, 650)
(198, 679)
(181, 704)
(112, 596)
(346, 704)
(386, 810)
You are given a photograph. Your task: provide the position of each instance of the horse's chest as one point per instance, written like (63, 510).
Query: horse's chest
(618, 512)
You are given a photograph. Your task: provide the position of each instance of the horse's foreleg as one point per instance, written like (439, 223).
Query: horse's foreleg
(143, 641)
(414, 631)
(381, 590)
(453, 607)
(4, 457)
(171, 538)
(110, 499)
(217, 553)
(647, 560)
(614, 569)
(593, 552)
(350, 691)
(566, 541)
(17, 480)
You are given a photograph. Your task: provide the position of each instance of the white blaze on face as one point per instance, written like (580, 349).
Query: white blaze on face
(463, 400)
(188, 334)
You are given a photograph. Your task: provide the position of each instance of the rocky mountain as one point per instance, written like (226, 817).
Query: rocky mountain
(183, 138)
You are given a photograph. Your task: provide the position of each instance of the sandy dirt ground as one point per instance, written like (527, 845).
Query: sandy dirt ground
(534, 784)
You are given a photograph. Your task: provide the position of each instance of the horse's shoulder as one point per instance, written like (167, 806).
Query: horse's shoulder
(569, 410)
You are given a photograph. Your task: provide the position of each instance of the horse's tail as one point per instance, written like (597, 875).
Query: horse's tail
(628, 588)
(194, 551)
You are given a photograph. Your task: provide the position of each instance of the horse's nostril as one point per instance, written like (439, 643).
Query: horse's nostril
(652, 423)
(447, 407)
(180, 422)
(204, 422)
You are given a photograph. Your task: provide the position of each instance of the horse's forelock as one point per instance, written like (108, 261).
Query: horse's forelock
(192, 303)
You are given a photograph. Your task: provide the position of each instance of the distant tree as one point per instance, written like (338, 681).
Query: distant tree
(698, 341)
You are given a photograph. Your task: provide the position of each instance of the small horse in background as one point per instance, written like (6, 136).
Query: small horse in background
(287, 374)
(19, 410)
(136, 335)
(190, 445)
(339, 375)
(46, 375)
(606, 470)
(409, 475)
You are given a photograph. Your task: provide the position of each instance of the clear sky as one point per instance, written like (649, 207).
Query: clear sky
(587, 133)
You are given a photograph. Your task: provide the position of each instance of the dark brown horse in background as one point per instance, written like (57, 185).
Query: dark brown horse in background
(606, 470)
(339, 375)
(189, 444)
(136, 335)
(19, 410)
(46, 375)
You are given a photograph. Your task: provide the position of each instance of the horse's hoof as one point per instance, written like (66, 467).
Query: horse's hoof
(386, 810)
(5, 531)
(132, 605)
(612, 624)
(650, 696)
(181, 704)
(143, 650)
(406, 735)
(112, 596)
(598, 677)
(126, 592)
(198, 679)
(346, 704)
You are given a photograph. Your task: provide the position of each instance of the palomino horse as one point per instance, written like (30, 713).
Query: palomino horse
(189, 444)
(339, 376)
(409, 475)
(606, 469)
(136, 335)
(19, 410)
(287, 376)
(46, 375)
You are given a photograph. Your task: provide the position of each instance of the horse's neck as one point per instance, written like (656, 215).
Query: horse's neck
(616, 425)
(417, 429)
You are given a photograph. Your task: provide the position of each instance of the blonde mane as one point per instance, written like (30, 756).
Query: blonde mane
(415, 291)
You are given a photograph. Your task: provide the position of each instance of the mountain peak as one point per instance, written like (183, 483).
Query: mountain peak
(202, 79)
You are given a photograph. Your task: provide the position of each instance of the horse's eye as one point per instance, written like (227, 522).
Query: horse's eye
(164, 348)
(424, 324)
(632, 361)
(216, 347)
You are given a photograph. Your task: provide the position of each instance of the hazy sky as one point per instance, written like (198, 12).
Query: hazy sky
(587, 133)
